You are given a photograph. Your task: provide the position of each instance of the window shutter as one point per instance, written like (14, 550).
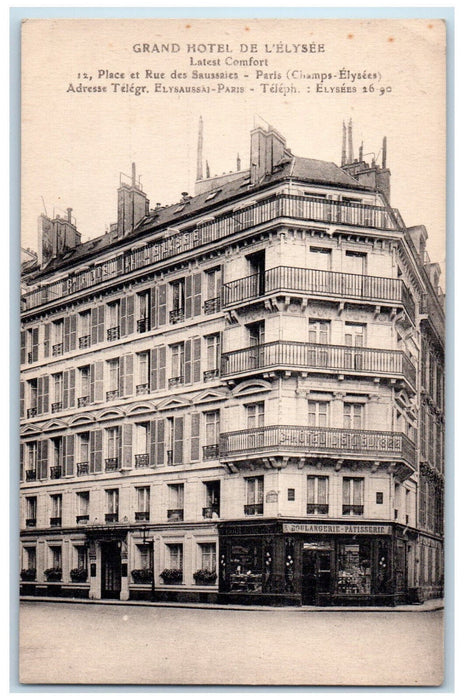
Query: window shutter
(188, 361)
(42, 458)
(123, 318)
(196, 359)
(66, 333)
(160, 442)
(197, 294)
(162, 367)
(188, 296)
(69, 388)
(35, 344)
(45, 394)
(178, 456)
(161, 304)
(153, 369)
(153, 314)
(127, 315)
(23, 347)
(96, 382)
(39, 395)
(126, 462)
(73, 332)
(97, 324)
(195, 437)
(21, 461)
(47, 340)
(126, 377)
(96, 451)
(21, 399)
(68, 455)
(153, 442)
(65, 389)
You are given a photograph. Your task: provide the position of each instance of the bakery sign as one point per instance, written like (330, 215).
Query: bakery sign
(337, 529)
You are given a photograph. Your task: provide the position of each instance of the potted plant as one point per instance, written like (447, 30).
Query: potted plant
(204, 577)
(171, 575)
(79, 574)
(142, 575)
(28, 574)
(53, 574)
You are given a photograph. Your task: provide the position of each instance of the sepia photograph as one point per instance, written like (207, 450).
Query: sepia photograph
(232, 352)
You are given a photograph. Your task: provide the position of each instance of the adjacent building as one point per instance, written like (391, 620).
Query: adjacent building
(238, 397)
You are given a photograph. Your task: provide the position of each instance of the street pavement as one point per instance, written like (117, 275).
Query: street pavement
(135, 644)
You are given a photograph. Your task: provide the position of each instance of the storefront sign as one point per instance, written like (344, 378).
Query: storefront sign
(337, 529)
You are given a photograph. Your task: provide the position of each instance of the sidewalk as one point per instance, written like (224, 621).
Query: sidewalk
(427, 606)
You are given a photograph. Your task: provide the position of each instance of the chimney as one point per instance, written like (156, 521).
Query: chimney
(239, 163)
(361, 152)
(56, 237)
(350, 141)
(267, 148)
(133, 205)
(384, 152)
(200, 151)
(208, 175)
(344, 144)
(69, 212)
(373, 176)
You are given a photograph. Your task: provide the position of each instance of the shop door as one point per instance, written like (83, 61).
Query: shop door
(316, 575)
(111, 570)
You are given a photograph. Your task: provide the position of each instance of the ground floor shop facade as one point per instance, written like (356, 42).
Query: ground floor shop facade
(268, 562)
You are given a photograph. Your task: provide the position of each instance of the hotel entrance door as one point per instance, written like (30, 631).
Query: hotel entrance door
(316, 573)
(111, 570)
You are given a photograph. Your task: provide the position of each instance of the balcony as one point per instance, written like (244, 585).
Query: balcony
(141, 389)
(112, 333)
(142, 460)
(55, 521)
(81, 519)
(31, 522)
(111, 517)
(142, 325)
(32, 412)
(210, 511)
(112, 395)
(212, 306)
(57, 406)
(31, 475)
(175, 514)
(83, 401)
(303, 441)
(253, 509)
(349, 509)
(84, 342)
(270, 209)
(82, 468)
(283, 355)
(175, 381)
(210, 452)
(57, 349)
(142, 515)
(56, 472)
(324, 284)
(210, 374)
(317, 508)
(176, 316)
(111, 464)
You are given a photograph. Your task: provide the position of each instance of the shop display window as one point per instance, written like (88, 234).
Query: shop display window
(246, 567)
(354, 574)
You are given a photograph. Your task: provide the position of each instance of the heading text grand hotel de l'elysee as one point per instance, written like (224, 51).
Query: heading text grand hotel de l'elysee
(237, 397)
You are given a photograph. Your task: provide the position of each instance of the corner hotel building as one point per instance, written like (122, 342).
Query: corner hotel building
(238, 397)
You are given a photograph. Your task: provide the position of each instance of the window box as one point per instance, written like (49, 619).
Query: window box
(82, 519)
(204, 577)
(83, 401)
(142, 515)
(209, 374)
(53, 574)
(32, 412)
(55, 522)
(84, 342)
(253, 509)
(111, 464)
(82, 468)
(111, 517)
(28, 574)
(175, 514)
(142, 575)
(112, 333)
(31, 475)
(141, 460)
(141, 389)
(171, 576)
(78, 575)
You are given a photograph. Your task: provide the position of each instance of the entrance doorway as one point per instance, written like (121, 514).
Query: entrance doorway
(111, 570)
(316, 574)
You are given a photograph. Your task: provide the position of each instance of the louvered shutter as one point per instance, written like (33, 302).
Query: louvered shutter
(96, 451)
(160, 437)
(68, 455)
(21, 399)
(197, 294)
(161, 304)
(188, 361)
(162, 367)
(70, 332)
(195, 437)
(153, 442)
(66, 333)
(69, 388)
(35, 344)
(126, 375)
(178, 456)
(45, 394)
(153, 308)
(196, 359)
(23, 347)
(96, 382)
(21, 461)
(97, 324)
(47, 340)
(42, 458)
(126, 462)
(65, 389)
(153, 369)
(188, 296)
(39, 395)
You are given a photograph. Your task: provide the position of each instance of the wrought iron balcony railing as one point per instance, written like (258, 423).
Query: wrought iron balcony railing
(82, 468)
(113, 394)
(83, 401)
(176, 315)
(209, 511)
(210, 452)
(210, 374)
(286, 354)
(348, 509)
(175, 381)
(175, 514)
(142, 515)
(281, 206)
(142, 325)
(84, 342)
(56, 472)
(253, 509)
(141, 389)
(32, 412)
(112, 333)
(111, 464)
(31, 475)
(142, 460)
(290, 439)
(320, 283)
(57, 406)
(84, 518)
(317, 508)
(31, 522)
(57, 349)
(30, 357)
(55, 521)
(212, 306)
(111, 517)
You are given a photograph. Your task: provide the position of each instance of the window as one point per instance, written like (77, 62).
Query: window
(255, 415)
(31, 511)
(113, 378)
(178, 295)
(290, 494)
(355, 263)
(208, 556)
(83, 499)
(112, 318)
(112, 446)
(143, 364)
(144, 557)
(213, 291)
(319, 332)
(317, 495)
(175, 440)
(407, 505)
(143, 310)
(353, 496)
(355, 568)
(29, 558)
(84, 386)
(355, 336)
(142, 434)
(112, 505)
(143, 503)
(254, 495)
(57, 451)
(57, 337)
(175, 556)
(31, 456)
(57, 390)
(212, 428)
(177, 364)
(212, 354)
(176, 501)
(83, 454)
(320, 258)
(213, 499)
(84, 329)
(32, 399)
(318, 412)
(56, 501)
(80, 556)
(379, 498)
(55, 557)
(353, 416)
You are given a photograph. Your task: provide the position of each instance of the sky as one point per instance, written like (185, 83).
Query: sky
(75, 145)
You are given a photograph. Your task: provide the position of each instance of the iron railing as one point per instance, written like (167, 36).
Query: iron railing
(266, 210)
(111, 517)
(312, 440)
(84, 342)
(30, 357)
(210, 452)
(210, 374)
(55, 521)
(57, 406)
(317, 508)
(32, 412)
(142, 325)
(211, 306)
(57, 349)
(209, 511)
(321, 283)
(31, 475)
(142, 460)
(348, 509)
(175, 381)
(82, 518)
(31, 522)
(291, 354)
(141, 389)
(253, 508)
(142, 515)
(175, 514)
(83, 401)
(111, 464)
(56, 472)
(82, 468)
(176, 315)
(112, 333)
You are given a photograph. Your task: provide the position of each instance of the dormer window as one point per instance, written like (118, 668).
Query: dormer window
(212, 195)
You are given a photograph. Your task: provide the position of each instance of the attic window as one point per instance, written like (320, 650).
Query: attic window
(212, 195)
(180, 208)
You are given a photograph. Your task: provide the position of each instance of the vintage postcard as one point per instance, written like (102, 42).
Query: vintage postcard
(232, 352)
